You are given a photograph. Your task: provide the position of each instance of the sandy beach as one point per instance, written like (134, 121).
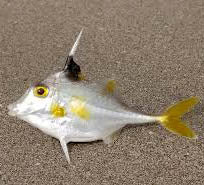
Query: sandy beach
(153, 48)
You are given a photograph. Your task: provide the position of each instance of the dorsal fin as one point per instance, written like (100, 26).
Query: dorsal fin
(71, 67)
(74, 48)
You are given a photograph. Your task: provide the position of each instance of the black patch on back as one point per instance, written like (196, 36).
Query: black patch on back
(72, 69)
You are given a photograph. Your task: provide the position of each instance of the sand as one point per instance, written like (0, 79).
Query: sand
(154, 48)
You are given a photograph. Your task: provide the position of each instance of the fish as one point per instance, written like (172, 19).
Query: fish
(70, 109)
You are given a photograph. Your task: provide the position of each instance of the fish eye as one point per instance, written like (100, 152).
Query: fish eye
(41, 91)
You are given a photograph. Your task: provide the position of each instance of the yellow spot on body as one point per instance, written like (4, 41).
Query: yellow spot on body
(78, 107)
(110, 86)
(57, 110)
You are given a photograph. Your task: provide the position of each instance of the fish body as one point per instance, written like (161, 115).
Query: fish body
(76, 111)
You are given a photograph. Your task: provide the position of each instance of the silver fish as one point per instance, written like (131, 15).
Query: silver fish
(69, 109)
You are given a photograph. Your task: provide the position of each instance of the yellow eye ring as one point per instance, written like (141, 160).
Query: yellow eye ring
(41, 91)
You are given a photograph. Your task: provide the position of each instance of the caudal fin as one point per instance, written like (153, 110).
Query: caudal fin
(171, 119)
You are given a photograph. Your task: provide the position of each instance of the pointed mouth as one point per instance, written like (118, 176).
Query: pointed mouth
(12, 110)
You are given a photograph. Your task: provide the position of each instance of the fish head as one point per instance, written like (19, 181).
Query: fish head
(37, 106)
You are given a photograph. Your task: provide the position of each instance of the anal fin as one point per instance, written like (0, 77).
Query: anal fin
(109, 140)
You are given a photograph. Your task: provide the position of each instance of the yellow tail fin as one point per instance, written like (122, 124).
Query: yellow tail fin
(171, 119)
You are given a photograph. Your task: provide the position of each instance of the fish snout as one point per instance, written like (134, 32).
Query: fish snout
(12, 109)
